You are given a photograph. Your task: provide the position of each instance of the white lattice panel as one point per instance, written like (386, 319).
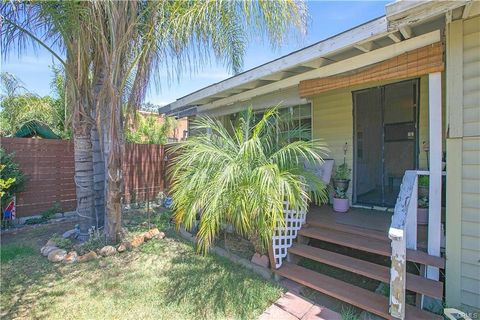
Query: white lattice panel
(284, 235)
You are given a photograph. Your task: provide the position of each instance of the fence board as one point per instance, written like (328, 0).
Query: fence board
(49, 167)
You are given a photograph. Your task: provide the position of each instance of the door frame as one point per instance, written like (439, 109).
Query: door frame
(416, 115)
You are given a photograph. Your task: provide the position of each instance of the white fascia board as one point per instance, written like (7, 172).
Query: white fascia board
(361, 33)
(409, 13)
(353, 63)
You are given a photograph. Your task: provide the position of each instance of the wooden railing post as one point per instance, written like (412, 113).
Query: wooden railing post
(398, 273)
(400, 229)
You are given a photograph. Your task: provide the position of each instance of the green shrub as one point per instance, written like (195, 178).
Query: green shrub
(35, 221)
(46, 215)
(49, 213)
(61, 242)
(342, 172)
(12, 179)
(423, 181)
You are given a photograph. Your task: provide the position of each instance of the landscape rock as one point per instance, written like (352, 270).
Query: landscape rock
(50, 243)
(138, 240)
(71, 257)
(108, 251)
(124, 246)
(87, 257)
(261, 260)
(45, 250)
(69, 234)
(160, 236)
(150, 234)
(57, 255)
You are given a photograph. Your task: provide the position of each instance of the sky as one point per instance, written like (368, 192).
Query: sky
(327, 18)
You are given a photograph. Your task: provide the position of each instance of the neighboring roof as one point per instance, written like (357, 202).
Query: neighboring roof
(34, 128)
(285, 72)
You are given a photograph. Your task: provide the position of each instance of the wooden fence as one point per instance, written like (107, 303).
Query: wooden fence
(49, 167)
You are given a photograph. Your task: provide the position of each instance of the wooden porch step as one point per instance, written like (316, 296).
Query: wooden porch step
(361, 298)
(376, 246)
(371, 270)
(318, 221)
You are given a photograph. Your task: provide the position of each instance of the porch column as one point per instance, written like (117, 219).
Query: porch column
(435, 167)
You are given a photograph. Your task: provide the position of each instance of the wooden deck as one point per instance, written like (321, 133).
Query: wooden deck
(356, 217)
(375, 220)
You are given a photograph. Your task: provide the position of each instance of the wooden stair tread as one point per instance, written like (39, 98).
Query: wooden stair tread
(317, 221)
(364, 299)
(362, 243)
(371, 270)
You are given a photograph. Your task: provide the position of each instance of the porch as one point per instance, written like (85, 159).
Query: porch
(353, 246)
(374, 222)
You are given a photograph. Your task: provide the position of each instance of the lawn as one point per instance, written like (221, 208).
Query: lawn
(162, 279)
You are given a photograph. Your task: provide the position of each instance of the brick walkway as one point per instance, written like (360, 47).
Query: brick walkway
(293, 307)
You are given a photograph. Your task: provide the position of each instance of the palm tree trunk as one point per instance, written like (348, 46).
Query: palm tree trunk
(84, 177)
(98, 178)
(114, 149)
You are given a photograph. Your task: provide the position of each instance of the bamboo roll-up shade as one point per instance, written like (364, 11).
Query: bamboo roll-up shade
(413, 63)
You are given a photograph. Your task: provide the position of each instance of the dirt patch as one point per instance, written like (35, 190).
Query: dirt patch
(37, 235)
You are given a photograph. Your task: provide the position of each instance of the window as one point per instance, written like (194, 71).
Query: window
(298, 117)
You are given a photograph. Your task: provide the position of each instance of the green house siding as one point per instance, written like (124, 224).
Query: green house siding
(470, 237)
(463, 164)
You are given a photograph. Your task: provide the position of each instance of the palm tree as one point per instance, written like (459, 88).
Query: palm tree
(243, 178)
(114, 49)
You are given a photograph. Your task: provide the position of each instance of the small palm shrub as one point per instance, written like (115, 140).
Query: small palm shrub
(243, 176)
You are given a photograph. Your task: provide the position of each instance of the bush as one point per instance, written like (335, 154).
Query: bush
(49, 213)
(11, 177)
(61, 242)
(423, 181)
(342, 172)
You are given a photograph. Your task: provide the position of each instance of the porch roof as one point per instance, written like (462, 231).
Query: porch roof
(366, 44)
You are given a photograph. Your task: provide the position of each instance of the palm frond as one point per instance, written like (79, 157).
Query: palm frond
(242, 177)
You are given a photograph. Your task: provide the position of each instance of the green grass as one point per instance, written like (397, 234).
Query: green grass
(12, 251)
(162, 279)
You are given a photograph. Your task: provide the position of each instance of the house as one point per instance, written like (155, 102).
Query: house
(395, 97)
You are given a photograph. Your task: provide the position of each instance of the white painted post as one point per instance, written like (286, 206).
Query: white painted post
(411, 220)
(435, 156)
(398, 273)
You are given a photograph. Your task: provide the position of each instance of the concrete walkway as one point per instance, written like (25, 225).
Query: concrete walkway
(293, 307)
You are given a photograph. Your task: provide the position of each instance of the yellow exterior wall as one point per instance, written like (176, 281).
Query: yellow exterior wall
(332, 121)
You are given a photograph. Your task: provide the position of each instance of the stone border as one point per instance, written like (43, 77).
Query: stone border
(263, 272)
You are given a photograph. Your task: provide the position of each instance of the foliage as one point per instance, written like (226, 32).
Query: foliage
(59, 104)
(11, 177)
(340, 193)
(349, 313)
(423, 202)
(36, 220)
(61, 242)
(243, 178)
(45, 215)
(50, 212)
(423, 181)
(342, 172)
(19, 107)
(115, 48)
(5, 183)
(149, 130)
